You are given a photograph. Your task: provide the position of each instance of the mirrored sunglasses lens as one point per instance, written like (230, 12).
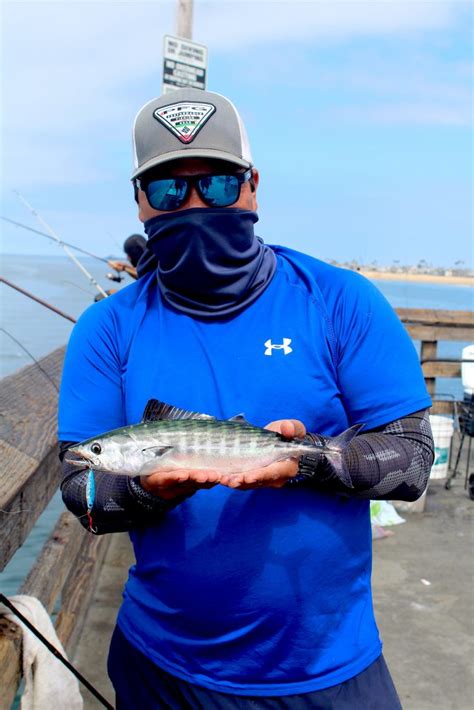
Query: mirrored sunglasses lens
(219, 190)
(166, 194)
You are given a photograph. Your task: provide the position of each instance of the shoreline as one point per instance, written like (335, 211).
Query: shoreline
(420, 278)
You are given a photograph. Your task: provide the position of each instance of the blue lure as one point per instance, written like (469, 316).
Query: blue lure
(90, 497)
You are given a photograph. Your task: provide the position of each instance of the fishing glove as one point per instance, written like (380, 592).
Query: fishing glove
(391, 462)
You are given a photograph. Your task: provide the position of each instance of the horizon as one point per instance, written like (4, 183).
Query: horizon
(373, 265)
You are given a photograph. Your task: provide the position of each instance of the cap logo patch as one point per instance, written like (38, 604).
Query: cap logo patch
(184, 119)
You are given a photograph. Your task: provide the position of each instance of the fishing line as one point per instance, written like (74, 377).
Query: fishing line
(31, 356)
(48, 236)
(62, 244)
(115, 241)
(15, 512)
(71, 283)
(55, 652)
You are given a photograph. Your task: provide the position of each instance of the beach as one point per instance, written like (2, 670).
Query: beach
(419, 278)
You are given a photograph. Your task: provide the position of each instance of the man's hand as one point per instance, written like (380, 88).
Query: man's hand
(176, 483)
(276, 474)
(116, 265)
(183, 482)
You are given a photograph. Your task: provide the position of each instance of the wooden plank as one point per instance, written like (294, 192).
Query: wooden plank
(28, 406)
(10, 657)
(67, 543)
(441, 369)
(19, 515)
(28, 479)
(58, 556)
(428, 351)
(14, 473)
(425, 332)
(46, 578)
(429, 316)
(79, 588)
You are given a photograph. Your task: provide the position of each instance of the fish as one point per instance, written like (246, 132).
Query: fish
(171, 438)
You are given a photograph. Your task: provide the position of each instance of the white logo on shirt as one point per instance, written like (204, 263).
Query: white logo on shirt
(285, 346)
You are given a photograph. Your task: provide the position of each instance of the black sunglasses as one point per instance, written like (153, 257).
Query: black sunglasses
(167, 194)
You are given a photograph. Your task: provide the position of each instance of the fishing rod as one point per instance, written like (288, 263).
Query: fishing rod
(48, 236)
(55, 652)
(32, 357)
(61, 243)
(37, 299)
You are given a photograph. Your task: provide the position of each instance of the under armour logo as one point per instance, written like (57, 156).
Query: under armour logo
(285, 346)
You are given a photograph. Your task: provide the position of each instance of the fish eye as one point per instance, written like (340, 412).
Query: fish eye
(96, 448)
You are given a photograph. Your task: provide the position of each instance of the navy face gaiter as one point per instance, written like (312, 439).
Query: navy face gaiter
(209, 262)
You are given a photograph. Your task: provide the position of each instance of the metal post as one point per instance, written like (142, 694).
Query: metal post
(184, 19)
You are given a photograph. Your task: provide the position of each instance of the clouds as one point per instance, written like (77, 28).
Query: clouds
(75, 73)
(67, 71)
(247, 23)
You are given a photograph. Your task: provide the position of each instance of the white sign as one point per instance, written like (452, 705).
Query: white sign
(184, 64)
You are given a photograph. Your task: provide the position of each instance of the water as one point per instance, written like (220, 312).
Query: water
(58, 281)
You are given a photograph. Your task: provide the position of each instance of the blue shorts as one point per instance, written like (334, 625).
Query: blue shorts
(140, 685)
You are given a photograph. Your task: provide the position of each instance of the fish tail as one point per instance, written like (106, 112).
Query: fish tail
(334, 449)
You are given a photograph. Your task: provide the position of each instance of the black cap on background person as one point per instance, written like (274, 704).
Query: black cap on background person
(134, 246)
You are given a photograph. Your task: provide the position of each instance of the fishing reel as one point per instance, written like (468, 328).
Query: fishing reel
(118, 278)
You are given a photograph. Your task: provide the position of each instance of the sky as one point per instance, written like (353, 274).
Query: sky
(359, 116)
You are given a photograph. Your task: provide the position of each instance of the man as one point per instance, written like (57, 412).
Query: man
(133, 246)
(252, 590)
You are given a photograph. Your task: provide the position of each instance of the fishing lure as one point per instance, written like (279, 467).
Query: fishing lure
(90, 497)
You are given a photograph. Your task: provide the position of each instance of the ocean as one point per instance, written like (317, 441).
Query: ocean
(58, 281)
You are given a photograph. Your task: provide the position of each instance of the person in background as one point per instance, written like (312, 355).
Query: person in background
(133, 246)
(252, 590)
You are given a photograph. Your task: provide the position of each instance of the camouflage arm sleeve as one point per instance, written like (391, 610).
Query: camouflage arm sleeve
(120, 503)
(391, 462)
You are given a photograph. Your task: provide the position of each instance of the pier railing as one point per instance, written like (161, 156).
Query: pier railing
(66, 570)
(64, 575)
(430, 327)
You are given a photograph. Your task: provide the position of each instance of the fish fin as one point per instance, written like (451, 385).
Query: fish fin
(239, 418)
(340, 469)
(158, 451)
(342, 440)
(334, 449)
(156, 411)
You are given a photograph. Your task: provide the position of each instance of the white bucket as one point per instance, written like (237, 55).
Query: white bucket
(467, 369)
(443, 428)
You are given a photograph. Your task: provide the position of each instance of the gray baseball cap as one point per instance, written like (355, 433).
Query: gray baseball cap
(188, 123)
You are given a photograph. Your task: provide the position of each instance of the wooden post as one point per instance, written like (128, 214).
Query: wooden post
(428, 351)
(184, 22)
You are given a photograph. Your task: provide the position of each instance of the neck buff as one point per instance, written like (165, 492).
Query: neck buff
(209, 262)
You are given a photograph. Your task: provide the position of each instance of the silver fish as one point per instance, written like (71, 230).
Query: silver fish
(171, 438)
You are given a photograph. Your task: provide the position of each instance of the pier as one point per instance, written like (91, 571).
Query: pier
(422, 579)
